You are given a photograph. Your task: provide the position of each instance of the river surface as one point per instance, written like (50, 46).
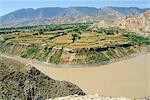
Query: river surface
(129, 78)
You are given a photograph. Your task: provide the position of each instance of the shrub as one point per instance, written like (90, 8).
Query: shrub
(29, 52)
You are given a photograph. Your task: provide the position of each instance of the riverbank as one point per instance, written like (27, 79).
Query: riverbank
(127, 78)
(143, 51)
(97, 97)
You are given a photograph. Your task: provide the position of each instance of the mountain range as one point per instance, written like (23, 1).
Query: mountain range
(57, 15)
(139, 23)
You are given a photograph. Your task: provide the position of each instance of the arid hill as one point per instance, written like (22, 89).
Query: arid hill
(57, 15)
(138, 24)
(102, 24)
(21, 82)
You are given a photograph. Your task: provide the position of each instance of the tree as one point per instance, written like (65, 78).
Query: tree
(74, 37)
(41, 31)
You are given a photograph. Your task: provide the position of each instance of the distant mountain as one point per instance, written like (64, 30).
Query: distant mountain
(119, 12)
(58, 15)
(139, 23)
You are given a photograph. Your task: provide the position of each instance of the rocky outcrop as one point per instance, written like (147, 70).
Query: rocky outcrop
(21, 82)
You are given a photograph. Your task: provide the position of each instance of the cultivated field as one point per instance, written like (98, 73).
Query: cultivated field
(71, 43)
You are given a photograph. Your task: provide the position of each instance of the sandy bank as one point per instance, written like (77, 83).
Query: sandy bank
(97, 97)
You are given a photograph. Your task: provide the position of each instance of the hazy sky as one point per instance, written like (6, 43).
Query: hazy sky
(7, 6)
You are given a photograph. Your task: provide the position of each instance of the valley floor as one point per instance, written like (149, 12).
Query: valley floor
(128, 78)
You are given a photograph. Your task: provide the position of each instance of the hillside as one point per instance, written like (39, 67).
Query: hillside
(71, 43)
(23, 82)
(138, 24)
(55, 15)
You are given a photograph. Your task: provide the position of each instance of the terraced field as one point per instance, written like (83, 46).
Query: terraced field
(71, 43)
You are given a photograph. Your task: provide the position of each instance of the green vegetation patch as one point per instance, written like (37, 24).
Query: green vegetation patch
(137, 39)
(91, 45)
(29, 52)
(55, 58)
(109, 31)
(92, 57)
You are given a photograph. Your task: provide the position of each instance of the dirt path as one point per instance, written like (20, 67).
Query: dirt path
(129, 78)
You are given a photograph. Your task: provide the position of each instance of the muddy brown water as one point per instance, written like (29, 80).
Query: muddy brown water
(129, 78)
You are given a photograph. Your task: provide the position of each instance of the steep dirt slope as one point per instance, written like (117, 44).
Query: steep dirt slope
(139, 23)
(26, 82)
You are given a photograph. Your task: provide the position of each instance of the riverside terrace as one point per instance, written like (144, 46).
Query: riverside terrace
(71, 43)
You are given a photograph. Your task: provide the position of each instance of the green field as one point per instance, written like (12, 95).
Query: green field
(71, 43)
